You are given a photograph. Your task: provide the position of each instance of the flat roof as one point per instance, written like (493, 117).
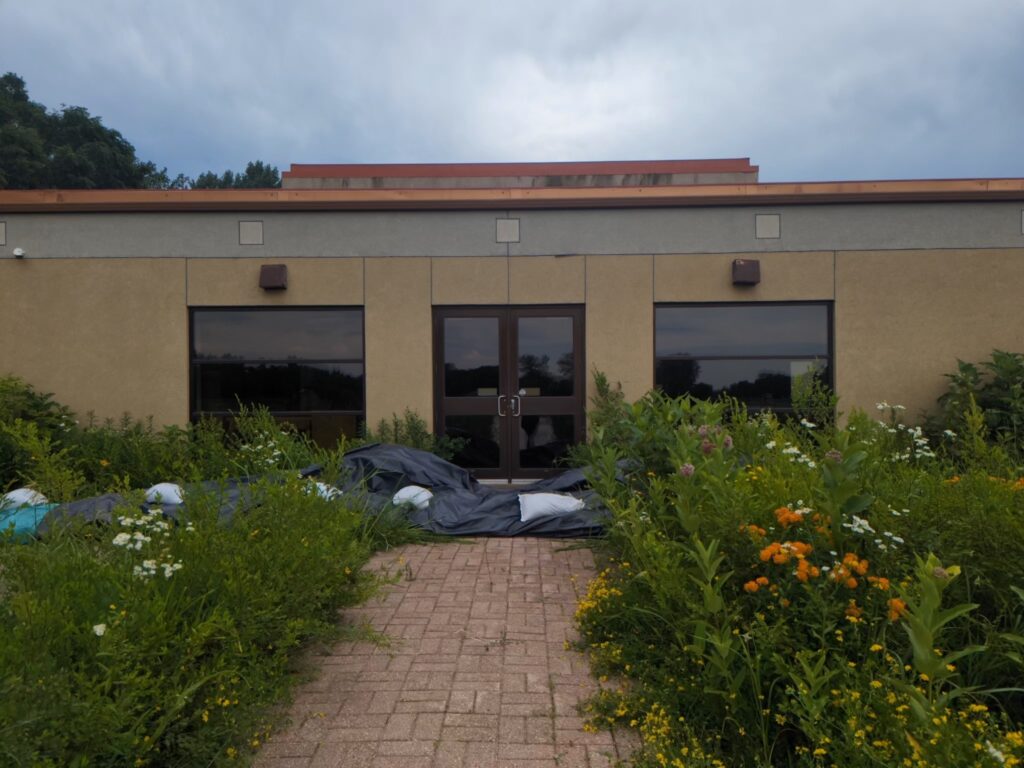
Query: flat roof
(456, 170)
(752, 194)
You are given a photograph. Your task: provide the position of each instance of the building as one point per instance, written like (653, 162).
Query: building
(482, 295)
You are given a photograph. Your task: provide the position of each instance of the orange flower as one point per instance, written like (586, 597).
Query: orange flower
(799, 548)
(854, 610)
(896, 608)
(768, 552)
(787, 517)
(853, 564)
(850, 583)
(753, 585)
(953, 480)
(755, 531)
(762, 580)
(879, 581)
(805, 571)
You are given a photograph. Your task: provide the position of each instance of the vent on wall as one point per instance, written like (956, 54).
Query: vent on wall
(746, 271)
(274, 277)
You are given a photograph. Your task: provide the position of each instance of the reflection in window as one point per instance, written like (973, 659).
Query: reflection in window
(304, 365)
(544, 440)
(480, 436)
(753, 352)
(471, 352)
(545, 356)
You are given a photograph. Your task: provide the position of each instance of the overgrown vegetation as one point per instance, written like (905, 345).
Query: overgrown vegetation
(410, 429)
(163, 643)
(995, 388)
(794, 594)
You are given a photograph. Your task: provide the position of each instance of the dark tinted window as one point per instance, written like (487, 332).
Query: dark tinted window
(752, 352)
(277, 334)
(305, 365)
(471, 352)
(742, 331)
(545, 355)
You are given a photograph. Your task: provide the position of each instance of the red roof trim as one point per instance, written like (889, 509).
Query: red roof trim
(457, 170)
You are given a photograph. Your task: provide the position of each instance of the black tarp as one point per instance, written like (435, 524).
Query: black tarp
(460, 506)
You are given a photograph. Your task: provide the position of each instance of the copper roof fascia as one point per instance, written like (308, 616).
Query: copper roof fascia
(964, 190)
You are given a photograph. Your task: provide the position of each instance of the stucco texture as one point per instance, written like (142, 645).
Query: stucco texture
(620, 322)
(398, 338)
(104, 335)
(902, 318)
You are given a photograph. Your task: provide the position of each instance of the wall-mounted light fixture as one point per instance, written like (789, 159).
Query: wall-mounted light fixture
(274, 277)
(19, 253)
(746, 271)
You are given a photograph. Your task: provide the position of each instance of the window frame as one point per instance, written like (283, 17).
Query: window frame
(195, 363)
(829, 358)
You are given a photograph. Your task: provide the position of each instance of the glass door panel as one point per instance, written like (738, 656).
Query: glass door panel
(471, 356)
(545, 356)
(509, 383)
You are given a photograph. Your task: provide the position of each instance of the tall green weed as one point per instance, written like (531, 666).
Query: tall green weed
(797, 594)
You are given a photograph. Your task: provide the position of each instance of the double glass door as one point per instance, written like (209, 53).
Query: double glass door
(509, 383)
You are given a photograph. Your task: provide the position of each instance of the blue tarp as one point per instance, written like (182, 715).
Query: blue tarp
(25, 520)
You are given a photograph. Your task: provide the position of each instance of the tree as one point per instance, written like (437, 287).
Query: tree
(71, 149)
(257, 175)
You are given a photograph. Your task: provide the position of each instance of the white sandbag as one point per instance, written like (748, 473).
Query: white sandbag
(326, 491)
(23, 497)
(165, 493)
(534, 505)
(416, 495)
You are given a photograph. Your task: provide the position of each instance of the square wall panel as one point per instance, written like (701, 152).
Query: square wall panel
(250, 233)
(768, 226)
(506, 230)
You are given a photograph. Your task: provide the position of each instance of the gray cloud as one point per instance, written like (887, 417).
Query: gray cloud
(807, 90)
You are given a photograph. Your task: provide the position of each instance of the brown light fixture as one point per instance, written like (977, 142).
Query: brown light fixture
(746, 271)
(274, 277)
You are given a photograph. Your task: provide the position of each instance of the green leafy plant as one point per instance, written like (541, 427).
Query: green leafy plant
(410, 429)
(775, 594)
(996, 386)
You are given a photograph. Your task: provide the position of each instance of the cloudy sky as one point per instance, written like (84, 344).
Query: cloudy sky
(808, 90)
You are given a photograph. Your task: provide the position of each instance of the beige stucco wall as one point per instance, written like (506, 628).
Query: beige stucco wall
(399, 339)
(547, 280)
(620, 322)
(902, 318)
(469, 280)
(708, 277)
(104, 335)
(111, 335)
(236, 282)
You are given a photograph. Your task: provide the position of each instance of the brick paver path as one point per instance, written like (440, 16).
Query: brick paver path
(477, 674)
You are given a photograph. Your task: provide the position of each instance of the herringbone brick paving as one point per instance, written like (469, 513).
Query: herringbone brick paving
(477, 674)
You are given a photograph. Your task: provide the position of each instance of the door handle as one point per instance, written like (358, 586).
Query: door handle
(501, 404)
(515, 405)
